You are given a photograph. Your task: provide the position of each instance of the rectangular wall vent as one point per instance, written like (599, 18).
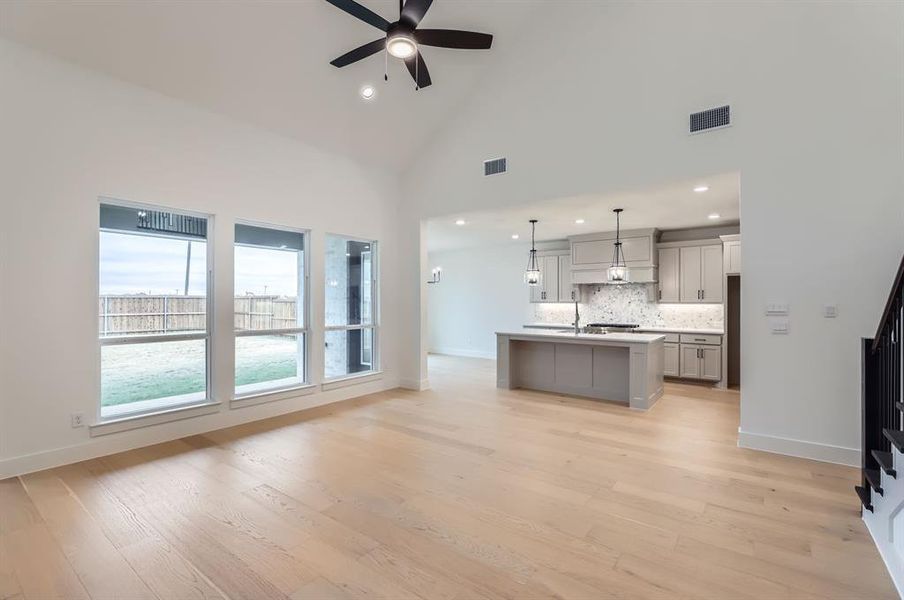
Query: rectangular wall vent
(494, 167)
(710, 119)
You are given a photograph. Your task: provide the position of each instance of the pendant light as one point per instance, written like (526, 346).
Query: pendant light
(532, 274)
(618, 271)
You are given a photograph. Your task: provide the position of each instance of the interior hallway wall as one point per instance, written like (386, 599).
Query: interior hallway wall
(482, 291)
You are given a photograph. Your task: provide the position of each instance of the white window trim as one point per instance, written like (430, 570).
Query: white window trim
(374, 325)
(147, 419)
(350, 380)
(272, 395)
(299, 387)
(207, 399)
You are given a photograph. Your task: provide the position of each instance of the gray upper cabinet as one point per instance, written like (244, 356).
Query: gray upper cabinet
(555, 285)
(732, 254)
(711, 274)
(568, 292)
(669, 290)
(691, 272)
(690, 276)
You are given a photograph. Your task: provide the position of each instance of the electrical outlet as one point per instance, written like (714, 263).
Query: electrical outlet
(77, 420)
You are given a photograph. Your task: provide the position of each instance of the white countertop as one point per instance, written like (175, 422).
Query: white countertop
(688, 330)
(636, 338)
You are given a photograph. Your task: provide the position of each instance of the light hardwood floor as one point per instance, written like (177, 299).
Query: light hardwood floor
(461, 492)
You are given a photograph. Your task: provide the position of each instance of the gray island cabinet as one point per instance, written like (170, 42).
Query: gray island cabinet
(619, 367)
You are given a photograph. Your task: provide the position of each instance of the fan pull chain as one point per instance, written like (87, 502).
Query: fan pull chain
(386, 65)
(417, 78)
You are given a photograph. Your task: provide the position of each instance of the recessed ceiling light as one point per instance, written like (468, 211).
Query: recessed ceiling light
(401, 46)
(715, 216)
(515, 236)
(368, 92)
(460, 222)
(701, 188)
(579, 221)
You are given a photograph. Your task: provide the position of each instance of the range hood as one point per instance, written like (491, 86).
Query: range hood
(591, 256)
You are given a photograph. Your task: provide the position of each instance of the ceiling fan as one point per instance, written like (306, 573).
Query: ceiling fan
(403, 37)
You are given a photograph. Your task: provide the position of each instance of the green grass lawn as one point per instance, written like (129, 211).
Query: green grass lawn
(134, 372)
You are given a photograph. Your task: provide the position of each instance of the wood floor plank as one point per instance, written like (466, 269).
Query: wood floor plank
(41, 569)
(102, 570)
(461, 492)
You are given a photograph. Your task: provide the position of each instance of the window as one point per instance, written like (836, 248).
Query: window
(270, 309)
(153, 310)
(351, 307)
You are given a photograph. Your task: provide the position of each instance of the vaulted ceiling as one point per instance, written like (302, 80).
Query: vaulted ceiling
(267, 63)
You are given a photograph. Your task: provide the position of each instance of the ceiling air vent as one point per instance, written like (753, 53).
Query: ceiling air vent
(710, 119)
(494, 167)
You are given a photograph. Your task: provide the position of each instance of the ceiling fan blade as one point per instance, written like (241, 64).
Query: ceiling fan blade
(418, 69)
(365, 14)
(414, 11)
(453, 38)
(359, 53)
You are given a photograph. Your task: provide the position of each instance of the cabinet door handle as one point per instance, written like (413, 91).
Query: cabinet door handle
(703, 294)
(660, 293)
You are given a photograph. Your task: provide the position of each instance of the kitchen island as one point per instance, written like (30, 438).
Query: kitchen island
(619, 367)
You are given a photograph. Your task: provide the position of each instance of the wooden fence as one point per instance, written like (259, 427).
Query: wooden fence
(127, 315)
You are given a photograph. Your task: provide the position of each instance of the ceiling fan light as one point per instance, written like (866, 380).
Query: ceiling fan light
(401, 46)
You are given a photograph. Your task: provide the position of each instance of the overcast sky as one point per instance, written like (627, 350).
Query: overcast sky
(133, 264)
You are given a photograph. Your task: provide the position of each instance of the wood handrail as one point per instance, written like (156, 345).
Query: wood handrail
(886, 314)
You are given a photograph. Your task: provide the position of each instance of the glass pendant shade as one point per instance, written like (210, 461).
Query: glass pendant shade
(532, 273)
(618, 274)
(618, 270)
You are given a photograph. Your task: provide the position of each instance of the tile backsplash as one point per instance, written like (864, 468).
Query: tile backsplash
(629, 303)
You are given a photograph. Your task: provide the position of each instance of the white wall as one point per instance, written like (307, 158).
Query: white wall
(596, 98)
(67, 136)
(482, 291)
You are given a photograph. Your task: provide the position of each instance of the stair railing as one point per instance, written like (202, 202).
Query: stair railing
(882, 371)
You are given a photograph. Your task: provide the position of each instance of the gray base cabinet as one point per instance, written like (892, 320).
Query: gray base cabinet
(701, 362)
(671, 359)
(692, 356)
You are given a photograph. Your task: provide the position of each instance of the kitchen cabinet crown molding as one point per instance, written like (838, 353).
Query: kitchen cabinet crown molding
(610, 235)
(690, 243)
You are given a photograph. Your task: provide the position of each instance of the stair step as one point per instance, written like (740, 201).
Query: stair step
(864, 495)
(874, 479)
(896, 438)
(886, 461)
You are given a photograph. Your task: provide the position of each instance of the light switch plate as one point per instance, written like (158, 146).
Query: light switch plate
(776, 309)
(780, 327)
(830, 311)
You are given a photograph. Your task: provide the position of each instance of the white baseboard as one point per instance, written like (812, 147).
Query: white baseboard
(463, 352)
(800, 448)
(415, 384)
(94, 447)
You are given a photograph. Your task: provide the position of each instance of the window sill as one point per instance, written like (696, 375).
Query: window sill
(138, 421)
(348, 380)
(255, 398)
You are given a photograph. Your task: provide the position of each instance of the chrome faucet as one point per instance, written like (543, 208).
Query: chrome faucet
(577, 319)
